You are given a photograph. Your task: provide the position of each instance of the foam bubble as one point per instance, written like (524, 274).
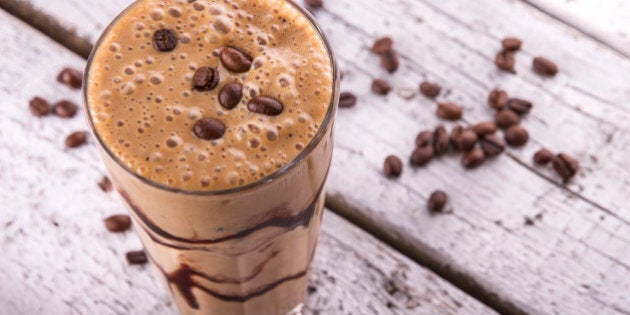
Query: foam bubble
(127, 88)
(157, 14)
(222, 25)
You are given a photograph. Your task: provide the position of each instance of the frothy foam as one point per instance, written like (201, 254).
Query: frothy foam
(144, 107)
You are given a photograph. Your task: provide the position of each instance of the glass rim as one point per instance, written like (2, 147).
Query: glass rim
(321, 132)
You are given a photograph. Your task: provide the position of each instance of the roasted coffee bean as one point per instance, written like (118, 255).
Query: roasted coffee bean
(516, 136)
(544, 66)
(506, 118)
(520, 106)
(65, 109)
(456, 133)
(235, 60)
(392, 167)
(315, 3)
(381, 87)
(424, 138)
(118, 223)
(511, 44)
(565, 166)
(105, 184)
(164, 40)
(71, 77)
(209, 129)
(437, 201)
(39, 107)
(441, 141)
(497, 99)
(138, 257)
(421, 156)
(347, 100)
(543, 157)
(382, 45)
(505, 61)
(430, 89)
(492, 145)
(449, 111)
(467, 140)
(389, 61)
(230, 95)
(265, 105)
(474, 158)
(76, 139)
(205, 79)
(485, 128)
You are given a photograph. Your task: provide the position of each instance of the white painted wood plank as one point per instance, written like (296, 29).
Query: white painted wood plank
(57, 257)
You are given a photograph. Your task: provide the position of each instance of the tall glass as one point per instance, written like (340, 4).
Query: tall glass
(245, 250)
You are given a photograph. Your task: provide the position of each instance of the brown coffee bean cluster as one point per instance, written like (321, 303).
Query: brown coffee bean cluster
(565, 165)
(506, 59)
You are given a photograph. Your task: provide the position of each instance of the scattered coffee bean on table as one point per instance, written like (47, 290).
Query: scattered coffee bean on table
(505, 61)
(382, 45)
(421, 156)
(511, 43)
(138, 257)
(424, 138)
(485, 128)
(437, 201)
(118, 223)
(76, 139)
(497, 99)
(544, 66)
(39, 107)
(347, 100)
(209, 129)
(456, 133)
(492, 145)
(65, 109)
(389, 61)
(516, 136)
(506, 118)
(565, 166)
(71, 77)
(467, 140)
(164, 40)
(543, 157)
(441, 141)
(449, 111)
(474, 158)
(519, 106)
(430, 89)
(105, 184)
(381, 87)
(315, 3)
(392, 167)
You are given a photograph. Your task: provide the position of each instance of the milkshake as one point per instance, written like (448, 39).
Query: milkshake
(214, 118)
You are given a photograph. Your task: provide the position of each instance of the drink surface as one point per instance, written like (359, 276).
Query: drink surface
(156, 104)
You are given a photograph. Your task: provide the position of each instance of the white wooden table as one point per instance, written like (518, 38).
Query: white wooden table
(57, 257)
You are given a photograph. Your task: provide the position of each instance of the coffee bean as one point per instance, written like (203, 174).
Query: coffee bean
(497, 99)
(392, 167)
(315, 3)
(430, 89)
(118, 223)
(544, 66)
(506, 118)
(424, 138)
(511, 44)
(105, 184)
(505, 61)
(389, 61)
(565, 166)
(265, 105)
(441, 141)
(138, 257)
(520, 106)
(347, 100)
(71, 77)
(437, 201)
(205, 79)
(164, 40)
(474, 158)
(381, 87)
(485, 128)
(382, 45)
(449, 111)
(421, 156)
(39, 107)
(467, 140)
(209, 129)
(492, 145)
(76, 139)
(65, 109)
(235, 60)
(230, 95)
(516, 136)
(456, 133)
(543, 157)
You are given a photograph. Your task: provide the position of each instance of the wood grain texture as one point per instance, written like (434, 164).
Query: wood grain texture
(575, 260)
(57, 257)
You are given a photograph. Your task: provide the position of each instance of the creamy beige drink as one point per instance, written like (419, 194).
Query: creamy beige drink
(215, 120)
